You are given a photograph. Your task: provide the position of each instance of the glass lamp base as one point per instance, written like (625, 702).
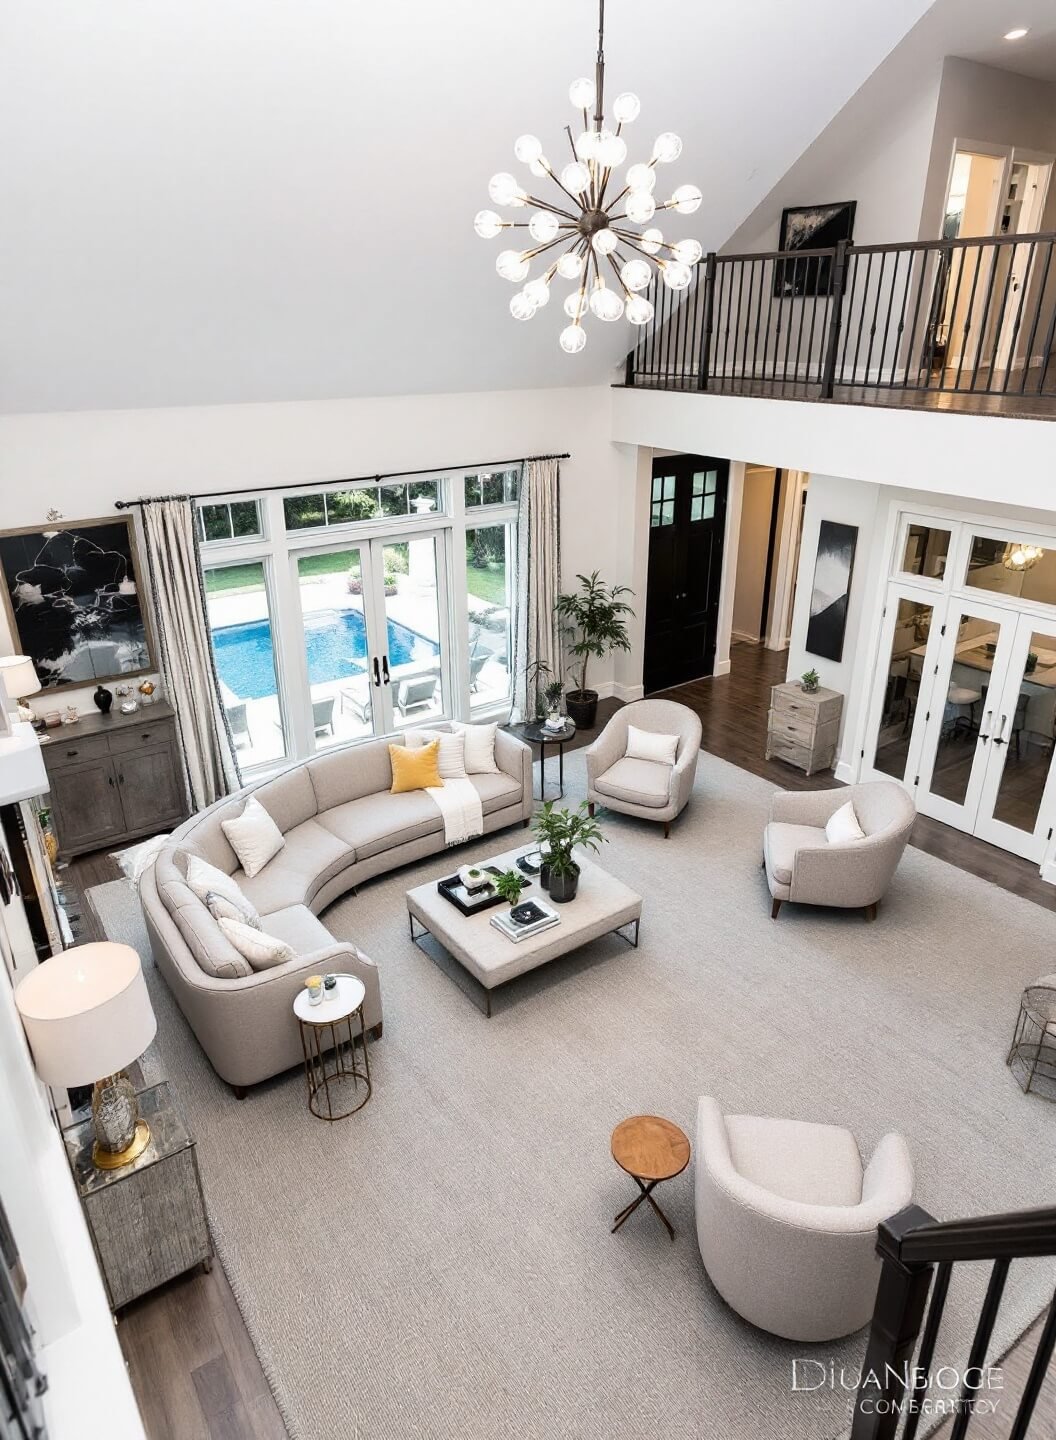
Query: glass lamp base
(120, 1135)
(113, 1159)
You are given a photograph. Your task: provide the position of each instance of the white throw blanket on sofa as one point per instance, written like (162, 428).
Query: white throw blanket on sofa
(459, 804)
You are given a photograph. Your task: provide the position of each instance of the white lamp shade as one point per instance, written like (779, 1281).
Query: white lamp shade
(86, 1013)
(19, 675)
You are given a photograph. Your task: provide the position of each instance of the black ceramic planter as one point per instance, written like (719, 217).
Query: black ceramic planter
(563, 887)
(582, 707)
(544, 877)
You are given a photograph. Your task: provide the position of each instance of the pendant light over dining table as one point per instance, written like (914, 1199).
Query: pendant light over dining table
(597, 224)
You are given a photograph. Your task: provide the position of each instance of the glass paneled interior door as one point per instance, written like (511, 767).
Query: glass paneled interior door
(909, 639)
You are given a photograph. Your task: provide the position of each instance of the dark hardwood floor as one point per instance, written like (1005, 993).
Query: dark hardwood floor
(192, 1364)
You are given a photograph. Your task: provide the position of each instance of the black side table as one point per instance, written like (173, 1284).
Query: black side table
(535, 733)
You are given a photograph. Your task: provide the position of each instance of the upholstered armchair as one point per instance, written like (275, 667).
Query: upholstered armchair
(786, 1219)
(803, 867)
(646, 788)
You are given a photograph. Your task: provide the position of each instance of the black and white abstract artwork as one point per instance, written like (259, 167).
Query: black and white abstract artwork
(72, 596)
(811, 227)
(832, 587)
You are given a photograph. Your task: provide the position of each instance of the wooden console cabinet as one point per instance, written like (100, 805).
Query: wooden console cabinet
(114, 778)
(804, 728)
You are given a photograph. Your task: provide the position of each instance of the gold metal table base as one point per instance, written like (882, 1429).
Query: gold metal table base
(331, 1066)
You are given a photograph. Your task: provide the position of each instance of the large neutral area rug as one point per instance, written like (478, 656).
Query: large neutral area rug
(440, 1264)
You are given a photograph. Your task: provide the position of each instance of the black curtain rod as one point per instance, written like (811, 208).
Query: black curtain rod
(348, 480)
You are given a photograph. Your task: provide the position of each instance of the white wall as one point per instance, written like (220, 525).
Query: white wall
(81, 462)
(753, 542)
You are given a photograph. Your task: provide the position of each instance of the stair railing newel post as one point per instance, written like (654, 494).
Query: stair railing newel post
(704, 362)
(839, 281)
(897, 1317)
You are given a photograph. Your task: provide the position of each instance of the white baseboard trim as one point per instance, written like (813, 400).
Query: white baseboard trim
(722, 667)
(846, 773)
(1048, 872)
(612, 690)
(743, 637)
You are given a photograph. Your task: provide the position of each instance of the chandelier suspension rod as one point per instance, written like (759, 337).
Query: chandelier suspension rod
(599, 69)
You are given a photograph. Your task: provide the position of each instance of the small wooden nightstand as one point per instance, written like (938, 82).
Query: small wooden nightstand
(804, 726)
(147, 1220)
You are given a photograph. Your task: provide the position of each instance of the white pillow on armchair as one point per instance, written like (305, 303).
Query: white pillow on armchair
(648, 745)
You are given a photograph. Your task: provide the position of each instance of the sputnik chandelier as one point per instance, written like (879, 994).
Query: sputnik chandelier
(604, 254)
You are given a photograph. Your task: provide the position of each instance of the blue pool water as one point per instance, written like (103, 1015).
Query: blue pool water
(336, 641)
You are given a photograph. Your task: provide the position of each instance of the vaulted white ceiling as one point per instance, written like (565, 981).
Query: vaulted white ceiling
(220, 201)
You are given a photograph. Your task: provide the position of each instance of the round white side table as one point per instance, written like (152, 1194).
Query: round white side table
(330, 1060)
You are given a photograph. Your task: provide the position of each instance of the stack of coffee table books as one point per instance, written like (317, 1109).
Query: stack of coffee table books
(525, 919)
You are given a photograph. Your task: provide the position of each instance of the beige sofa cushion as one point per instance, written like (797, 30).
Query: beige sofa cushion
(796, 1159)
(207, 839)
(299, 928)
(212, 950)
(263, 951)
(496, 791)
(639, 782)
(781, 841)
(350, 774)
(289, 799)
(311, 856)
(381, 822)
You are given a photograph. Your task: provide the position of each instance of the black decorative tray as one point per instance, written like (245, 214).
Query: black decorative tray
(470, 904)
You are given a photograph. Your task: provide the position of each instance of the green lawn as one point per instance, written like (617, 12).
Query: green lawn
(487, 585)
(251, 577)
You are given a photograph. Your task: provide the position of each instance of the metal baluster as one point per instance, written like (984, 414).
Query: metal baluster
(1047, 352)
(704, 368)
(983, 1331)
(839, 273)
(861, 319)
(927, 1347)
(802, 319)
(755, 340)
(984, 320)
(1019, 317)
(953, 320)
(737, 323)
(787, 317)
(769, 312)
(887, 322)
(727, 290)
(876, 315)
(1038, 1370)
(1037, 317)
(911, 345)
(1002, 308)
(900, 332)
(978, 256)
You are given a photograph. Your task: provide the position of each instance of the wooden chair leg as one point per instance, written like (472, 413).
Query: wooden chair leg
(667, 829)
(240, 1091)
(774, 908)
(590, 808)
(870, 911)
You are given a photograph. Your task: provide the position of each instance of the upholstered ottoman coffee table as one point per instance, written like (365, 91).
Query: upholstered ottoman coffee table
(602, 905)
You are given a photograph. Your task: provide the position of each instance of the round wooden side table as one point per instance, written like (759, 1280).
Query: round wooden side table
(650, 1149)
(330, 1062)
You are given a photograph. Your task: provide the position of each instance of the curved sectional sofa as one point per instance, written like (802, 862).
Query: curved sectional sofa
(341, 826)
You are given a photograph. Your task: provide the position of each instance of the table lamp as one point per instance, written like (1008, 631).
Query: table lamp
(19, 677)
(87, 1015)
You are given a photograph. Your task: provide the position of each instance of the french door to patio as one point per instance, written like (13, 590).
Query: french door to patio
(965, 716)
(373, 653)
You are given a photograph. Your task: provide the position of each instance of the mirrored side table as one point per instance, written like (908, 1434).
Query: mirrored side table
(147, 1219)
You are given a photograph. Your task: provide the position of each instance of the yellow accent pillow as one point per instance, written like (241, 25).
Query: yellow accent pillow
(415, 769)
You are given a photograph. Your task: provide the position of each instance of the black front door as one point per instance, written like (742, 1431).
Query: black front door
(687, 524)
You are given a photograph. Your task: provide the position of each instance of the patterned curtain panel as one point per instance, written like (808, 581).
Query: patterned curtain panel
(538, 635)
(187, 666)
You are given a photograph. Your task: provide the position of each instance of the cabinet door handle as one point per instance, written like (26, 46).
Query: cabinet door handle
(71, 753)
(145, 735)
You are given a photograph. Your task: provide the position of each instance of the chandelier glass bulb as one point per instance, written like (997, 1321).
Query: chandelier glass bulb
(543, 226)
(575, 177)
(522, 307)
(639, 311)
(487, 224)
(582, 94)
(636, 275)
(570, 266)
(688, 251)
(667, 147)
(589, 223)
(641, 177)
(686, 199)
(573, 338)
(527, 148)
(512, 265)
(626, 107)
(676, 275)
(640, 206)
(605, 304)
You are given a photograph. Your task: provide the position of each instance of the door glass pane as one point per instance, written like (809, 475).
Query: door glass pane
(240, 628)
(698, 483)
(964, 707)
(1029, 733)
(490, 555)
(905, 667)
(926, 551)
(1011, 566)
(330, 586)
(413, 630)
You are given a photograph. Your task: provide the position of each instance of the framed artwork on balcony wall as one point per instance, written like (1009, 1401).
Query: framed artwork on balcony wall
(811, 227)
(833, 565)
(72, 596)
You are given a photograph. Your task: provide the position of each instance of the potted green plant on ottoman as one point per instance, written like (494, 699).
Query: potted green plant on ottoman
(563, 830)
(595, 619)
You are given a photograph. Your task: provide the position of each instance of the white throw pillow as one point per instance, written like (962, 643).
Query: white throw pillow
(451, 760)
(220, 907)
(205, 880)
(262, 951)
(646, 745)
(254, 837)
(843, 827)
(480, 748)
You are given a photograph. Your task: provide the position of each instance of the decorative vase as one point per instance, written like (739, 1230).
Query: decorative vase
(103, 699)
(582, 707)
(809, 689)
(563, 887)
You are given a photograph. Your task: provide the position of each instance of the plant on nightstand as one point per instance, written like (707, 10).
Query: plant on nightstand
(509, 885)
(810, 680)
(562, 831)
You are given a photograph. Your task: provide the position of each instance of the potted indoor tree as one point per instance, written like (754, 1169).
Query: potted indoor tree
(562, 831)
(595, 619)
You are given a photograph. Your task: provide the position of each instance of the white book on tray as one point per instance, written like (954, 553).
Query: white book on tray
(510, 928)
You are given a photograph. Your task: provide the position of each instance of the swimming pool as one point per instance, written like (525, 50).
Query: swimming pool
(335, 641)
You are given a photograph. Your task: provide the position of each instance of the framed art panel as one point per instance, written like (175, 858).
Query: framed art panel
(827, 625)
(74, 603)
(811, 227)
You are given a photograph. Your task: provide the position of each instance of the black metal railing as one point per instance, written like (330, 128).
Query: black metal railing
(976, 317)
(918, 1255)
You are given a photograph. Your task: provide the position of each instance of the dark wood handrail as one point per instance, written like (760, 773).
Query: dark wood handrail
(1025, 1233)
(888, 247)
